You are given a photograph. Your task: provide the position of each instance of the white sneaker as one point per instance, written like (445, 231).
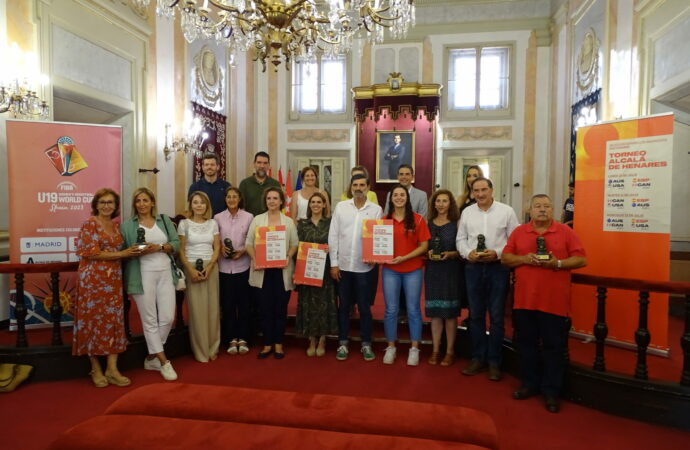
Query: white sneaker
(413, 357)
(389, 357)
(168, 372)
(152, 364)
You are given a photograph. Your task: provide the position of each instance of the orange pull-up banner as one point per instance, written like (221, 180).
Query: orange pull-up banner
(623, 217)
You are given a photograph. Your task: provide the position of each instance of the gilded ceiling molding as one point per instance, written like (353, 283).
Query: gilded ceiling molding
(304, 135)
(498, 133)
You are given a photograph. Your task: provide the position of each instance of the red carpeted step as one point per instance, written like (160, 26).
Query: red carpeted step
(311, 411)
(137, 432)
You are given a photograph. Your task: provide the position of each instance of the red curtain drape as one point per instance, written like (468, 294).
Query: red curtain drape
(398, 113)
(212, 123)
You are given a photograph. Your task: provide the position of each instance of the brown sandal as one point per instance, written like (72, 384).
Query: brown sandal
(434, 358)
(448, 360)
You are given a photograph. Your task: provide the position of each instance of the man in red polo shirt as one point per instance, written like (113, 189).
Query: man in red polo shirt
(542, 298)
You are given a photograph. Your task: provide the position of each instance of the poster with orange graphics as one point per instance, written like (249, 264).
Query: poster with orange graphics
(311, 263)
(270, 247)
(54, 170)
(623, 217)
(377, 240)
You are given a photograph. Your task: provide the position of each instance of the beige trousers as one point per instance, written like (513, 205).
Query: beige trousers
(204, 316)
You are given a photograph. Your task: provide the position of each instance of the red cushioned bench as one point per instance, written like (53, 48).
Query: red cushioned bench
(188, 416)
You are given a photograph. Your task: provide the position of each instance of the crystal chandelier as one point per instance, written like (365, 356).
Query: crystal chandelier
(290, 29)
(18, 96)
(192, 139)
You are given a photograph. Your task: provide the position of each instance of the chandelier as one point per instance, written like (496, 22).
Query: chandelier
(284, 30)
(192, 139)
(18, 96)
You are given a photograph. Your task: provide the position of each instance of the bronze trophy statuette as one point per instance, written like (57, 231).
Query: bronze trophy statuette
(199, 265)
(436, 248)
(481, 244)
(542, 252)
(231, 250)
(141, 238)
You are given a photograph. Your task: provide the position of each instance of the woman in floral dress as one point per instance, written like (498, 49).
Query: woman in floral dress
(99, 320)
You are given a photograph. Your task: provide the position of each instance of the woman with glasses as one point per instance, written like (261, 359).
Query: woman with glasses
(99, 311)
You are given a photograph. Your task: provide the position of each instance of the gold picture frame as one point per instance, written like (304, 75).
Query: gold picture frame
(390, 154)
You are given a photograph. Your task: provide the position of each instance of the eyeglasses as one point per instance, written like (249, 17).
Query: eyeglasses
(106, 202)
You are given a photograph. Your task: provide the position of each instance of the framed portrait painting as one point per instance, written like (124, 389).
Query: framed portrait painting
(393, 148)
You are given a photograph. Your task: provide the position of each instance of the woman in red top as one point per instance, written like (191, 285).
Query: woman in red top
(410, 243)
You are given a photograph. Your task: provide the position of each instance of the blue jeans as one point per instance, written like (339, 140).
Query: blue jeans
(487, 285)
(354, 287)
(411, 283)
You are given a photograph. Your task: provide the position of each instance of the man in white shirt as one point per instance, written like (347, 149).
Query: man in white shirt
(418, 197)
(486, 278)
(347, 268)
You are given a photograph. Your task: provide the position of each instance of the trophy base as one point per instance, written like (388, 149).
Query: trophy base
(543, 257)
(435, 257)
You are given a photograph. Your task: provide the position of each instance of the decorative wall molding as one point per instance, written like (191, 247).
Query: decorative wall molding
(208, 78)
(497, 133)
(308, 135)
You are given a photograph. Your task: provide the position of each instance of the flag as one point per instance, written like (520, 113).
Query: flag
(280, 176)
(298, 184)
(288, 194)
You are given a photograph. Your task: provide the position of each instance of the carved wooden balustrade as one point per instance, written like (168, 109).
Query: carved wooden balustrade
(642, 334)
(43, 358)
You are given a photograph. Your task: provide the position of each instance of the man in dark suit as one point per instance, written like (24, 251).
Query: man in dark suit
(394, 156)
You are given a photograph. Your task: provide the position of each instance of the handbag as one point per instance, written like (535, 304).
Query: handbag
(12, 375)
(181, 285)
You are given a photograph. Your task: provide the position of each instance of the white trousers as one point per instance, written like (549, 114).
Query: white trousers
(156, 307)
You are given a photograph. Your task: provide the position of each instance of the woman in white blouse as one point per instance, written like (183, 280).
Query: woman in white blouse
(199, 250)
(310, 186)
(275, 285)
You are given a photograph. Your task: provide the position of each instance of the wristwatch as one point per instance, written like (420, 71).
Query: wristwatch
(558, 265)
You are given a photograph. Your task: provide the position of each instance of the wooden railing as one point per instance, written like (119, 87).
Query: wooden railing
(642, 335)
(20, 309)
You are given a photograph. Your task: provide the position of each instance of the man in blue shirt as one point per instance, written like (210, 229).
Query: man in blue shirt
(210, 184)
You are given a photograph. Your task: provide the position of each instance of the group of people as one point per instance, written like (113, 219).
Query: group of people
(476, 242)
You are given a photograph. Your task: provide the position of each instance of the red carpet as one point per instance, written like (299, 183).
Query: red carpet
(37, 413)
(617, 359)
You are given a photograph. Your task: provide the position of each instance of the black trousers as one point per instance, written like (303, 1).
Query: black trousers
(273, 302)
(234, 306)
(541, 368)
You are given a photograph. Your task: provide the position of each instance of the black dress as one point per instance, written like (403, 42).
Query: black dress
(317, 314)
(441, 284)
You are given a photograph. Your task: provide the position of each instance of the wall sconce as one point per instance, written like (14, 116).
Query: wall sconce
(192, 139)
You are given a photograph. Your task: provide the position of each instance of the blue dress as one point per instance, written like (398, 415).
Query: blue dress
(441, 283)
